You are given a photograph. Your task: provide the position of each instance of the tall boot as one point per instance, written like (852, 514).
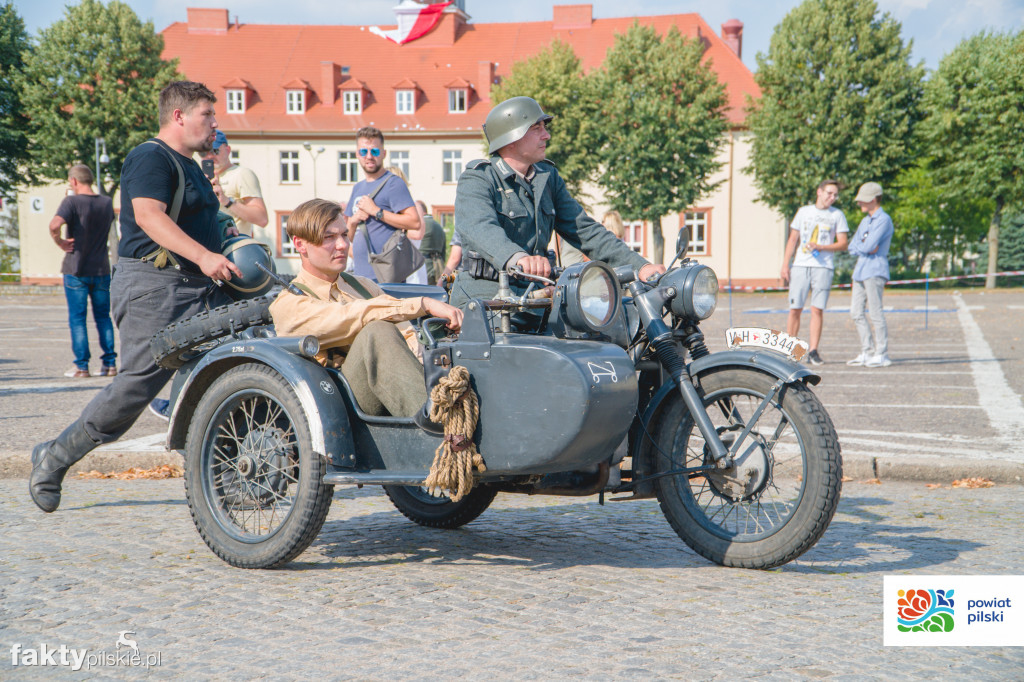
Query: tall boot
(51, 461)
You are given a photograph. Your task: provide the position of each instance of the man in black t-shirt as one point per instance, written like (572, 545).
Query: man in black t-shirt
(86, 268)
(164, 273)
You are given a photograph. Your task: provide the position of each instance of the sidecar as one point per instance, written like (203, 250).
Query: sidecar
(267, 432)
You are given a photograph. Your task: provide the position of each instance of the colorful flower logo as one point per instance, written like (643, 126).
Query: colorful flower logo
(925, 611)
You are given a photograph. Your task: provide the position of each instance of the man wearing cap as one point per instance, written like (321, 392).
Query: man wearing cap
(871, 246)
(237, 188)
(508, 205)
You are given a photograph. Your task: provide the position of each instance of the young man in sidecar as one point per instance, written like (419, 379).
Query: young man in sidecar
(363, 332)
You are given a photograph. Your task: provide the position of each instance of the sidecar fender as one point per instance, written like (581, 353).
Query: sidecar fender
(762, 361)
(321, 402)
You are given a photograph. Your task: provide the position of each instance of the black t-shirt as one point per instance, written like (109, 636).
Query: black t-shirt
(88, 218)
(148, 172)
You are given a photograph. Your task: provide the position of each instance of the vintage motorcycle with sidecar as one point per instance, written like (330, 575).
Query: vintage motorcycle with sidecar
(737, 449)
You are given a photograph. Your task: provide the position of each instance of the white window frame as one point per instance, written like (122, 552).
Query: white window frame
(458, 100)
(400, 159)
(295, 101)
(633, 228)
(348, 165)
(289, 167)
(405, 101)
(451, 165)
(697, 221)
(287, 248)
(234, 101)
(353, 101)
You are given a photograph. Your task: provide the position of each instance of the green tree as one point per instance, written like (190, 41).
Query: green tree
(554, 77)
(95, 73)
(1011, 245)
(13, 141)
(975, 126)
(928, 220)
(663, 115)
(839, 99)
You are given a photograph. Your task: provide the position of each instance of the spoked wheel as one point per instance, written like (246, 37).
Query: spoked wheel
(438, 511)
(252, 480)
(778, 498)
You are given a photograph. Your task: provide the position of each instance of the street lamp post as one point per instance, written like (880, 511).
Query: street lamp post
(101, 160)
(319, 150)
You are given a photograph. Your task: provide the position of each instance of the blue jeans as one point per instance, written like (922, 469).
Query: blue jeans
(78, 291)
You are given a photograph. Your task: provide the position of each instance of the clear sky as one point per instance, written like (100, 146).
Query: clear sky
(935, 26)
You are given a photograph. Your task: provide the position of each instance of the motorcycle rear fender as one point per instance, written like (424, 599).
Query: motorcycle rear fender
(324, 408)
(768, 362)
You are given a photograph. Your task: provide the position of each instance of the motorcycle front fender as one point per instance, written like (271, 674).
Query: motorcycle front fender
(769, 362)
(321, 401)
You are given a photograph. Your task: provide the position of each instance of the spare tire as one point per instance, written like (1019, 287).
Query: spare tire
(172, 347)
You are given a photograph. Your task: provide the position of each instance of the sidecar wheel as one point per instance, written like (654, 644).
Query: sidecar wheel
(779, 498)
(252, 480)
(418, 505)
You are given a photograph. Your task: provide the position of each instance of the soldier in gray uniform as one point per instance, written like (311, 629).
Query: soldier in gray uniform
(507, 207)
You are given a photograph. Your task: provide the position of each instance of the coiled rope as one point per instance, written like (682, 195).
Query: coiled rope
(455, 406)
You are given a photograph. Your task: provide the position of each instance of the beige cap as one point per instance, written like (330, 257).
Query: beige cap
(867, 192)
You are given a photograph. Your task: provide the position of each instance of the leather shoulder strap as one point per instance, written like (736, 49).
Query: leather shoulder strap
(179, 193)
(354, 283)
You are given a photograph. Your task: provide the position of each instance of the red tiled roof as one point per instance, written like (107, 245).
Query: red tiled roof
(297, 84)
(265, 56)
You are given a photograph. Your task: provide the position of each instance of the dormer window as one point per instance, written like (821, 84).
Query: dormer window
(458, 98)
(353, 101)
(405, 101)
(235, 101)
(295, 101)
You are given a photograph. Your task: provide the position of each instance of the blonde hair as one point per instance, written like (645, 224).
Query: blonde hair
(613, 221)
(395, 170)
(310, 219)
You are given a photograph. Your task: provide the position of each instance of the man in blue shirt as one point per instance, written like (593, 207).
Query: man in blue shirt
(871, 246)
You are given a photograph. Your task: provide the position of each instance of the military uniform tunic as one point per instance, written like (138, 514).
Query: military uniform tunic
(500, 214)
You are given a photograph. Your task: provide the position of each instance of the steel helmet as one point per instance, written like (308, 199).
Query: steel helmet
(245, 253)
(510, 120)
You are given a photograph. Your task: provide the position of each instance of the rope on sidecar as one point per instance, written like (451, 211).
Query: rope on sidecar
(456, 407)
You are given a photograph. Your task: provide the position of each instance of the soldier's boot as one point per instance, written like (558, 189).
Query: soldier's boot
(51, 461)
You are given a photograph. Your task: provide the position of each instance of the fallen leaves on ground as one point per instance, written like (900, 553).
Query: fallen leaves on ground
(974, 482)
(846, 479)
(932, 485)
(160, 472)
(873, 481)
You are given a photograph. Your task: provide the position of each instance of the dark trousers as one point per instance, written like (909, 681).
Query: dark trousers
(144, 301)
(79, 291)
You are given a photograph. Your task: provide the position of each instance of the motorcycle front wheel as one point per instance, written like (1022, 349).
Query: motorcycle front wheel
(780, 495)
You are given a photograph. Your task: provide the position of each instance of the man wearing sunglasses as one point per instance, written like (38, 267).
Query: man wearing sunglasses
(508, 206)
(380, 204)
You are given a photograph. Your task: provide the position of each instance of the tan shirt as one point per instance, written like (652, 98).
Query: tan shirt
(341, 313)
(240, 183)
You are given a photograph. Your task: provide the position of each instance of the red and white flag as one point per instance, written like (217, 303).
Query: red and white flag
(414, 24)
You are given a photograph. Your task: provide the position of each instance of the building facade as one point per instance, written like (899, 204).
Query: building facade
(291, 97)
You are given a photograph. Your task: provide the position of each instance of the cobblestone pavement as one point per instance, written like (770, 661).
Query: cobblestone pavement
(536, 588)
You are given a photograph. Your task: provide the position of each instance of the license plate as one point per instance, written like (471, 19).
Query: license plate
(767, 339)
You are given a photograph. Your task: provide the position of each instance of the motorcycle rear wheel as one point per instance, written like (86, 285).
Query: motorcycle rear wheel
(778, 500)
(438, 511)
(252, 479)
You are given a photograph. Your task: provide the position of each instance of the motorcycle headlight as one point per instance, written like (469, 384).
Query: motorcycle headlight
(591, 295)
(697, 291)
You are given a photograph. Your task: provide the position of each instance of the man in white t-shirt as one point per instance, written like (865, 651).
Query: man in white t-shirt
(818, 230)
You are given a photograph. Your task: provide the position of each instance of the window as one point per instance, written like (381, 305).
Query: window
(287, 248)
(353, 102)
(635, 235)
(452, 166)
(697, 222)
(234, 156)
(289, 167)
(457, 98)
(296, 101)
(401, 160)
(405, 101)
(236, 101)
(348, 167)
(446, 216)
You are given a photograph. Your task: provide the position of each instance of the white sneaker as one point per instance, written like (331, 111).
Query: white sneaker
(859, 360)
(878, 361)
